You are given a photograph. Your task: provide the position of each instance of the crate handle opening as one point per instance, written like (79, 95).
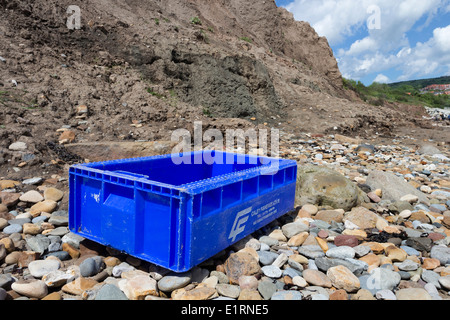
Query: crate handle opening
(136, 175)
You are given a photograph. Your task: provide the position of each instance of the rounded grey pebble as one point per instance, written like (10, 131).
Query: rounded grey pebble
(287, 295)
(110, 292)
(61, 255)
(172, 282)
(20, 221)
(272, 271)
(267, 289)
(267, 257)
(13, 228)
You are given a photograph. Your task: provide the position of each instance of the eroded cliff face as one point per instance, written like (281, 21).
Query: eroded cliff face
(146, 68)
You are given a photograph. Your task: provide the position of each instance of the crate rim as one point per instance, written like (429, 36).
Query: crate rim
(195, 187)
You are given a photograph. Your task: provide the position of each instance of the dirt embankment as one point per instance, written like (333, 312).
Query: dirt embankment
(145, 68)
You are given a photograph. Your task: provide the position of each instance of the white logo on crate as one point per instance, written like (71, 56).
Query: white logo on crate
(239, 223)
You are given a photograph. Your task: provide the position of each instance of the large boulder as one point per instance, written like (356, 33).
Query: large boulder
(322, 186)
(392, 186)
(428, 149)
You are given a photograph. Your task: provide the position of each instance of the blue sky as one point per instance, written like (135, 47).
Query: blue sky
(382, 40)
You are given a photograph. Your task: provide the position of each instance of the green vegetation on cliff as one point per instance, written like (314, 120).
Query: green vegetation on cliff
(406, 92)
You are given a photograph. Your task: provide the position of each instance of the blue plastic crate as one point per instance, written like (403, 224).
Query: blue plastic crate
(178, 215)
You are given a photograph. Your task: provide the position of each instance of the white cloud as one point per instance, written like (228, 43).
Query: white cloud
(381, 78)
(338, 19)
(442, 38)
(383, 48)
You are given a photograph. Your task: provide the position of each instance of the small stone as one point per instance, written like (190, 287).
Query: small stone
(434, 293)
(445, 282)
(82, 109)
(8, 184)
(239, 264)
(346, 240)
(67, 136)
(8, 243)
(431, 277)
(110, 292)
(172, 282)
(317, 278)
(323, 234)
(322, 244)
(18, 146)
(248, 282)
(380, 279)
(268, 241)
(440, 253)
(267, 257)
(79, 285)
(361, 250)
(374, 197)
(211, 282)
(298, 239)
(73, 252)
(12, 258)
(40, 268)
(396, 254)
(72, 239)
(287, 295)
(413, 294)
(299, 282)
(91, 266)
(59, 221)
(408, 265)
(228, 290)
(430, 264)
(26, 257)
(199, 293)
(272, 271)
(339, 295)
(292, 229)
(419, 216)
(410, 198)
(342, 278)
(123, 267)
(253, 243)
(310, 208)
(13, 228)
(53, 194)
(31, 289)
(311, 251)
(267, 289)
(31, 196)
(330, 215)
(30, 228)
(250, 295)
(342, 252)
(58, 278)
(3, 223)
(280, 260)
(385, 295)
(32, 181)
(363, 218)
(364, 295)
(54, 296)
(111, 261)
(278, 234)
(405, 214)
(45, 206)
(420, 244)
(139, 287)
